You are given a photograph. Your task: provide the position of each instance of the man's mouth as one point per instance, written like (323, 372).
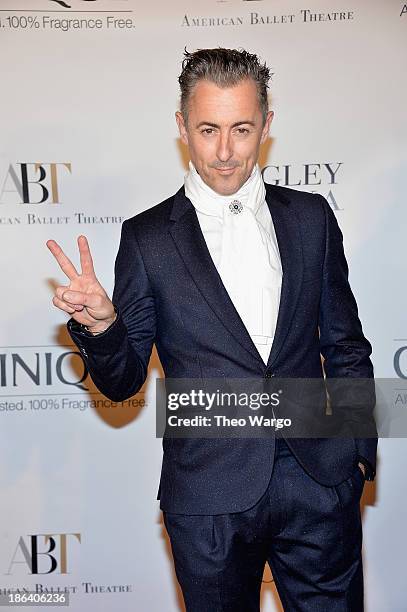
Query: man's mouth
(226, 170)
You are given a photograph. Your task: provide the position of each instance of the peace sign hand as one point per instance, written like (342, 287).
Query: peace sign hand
(84, 298)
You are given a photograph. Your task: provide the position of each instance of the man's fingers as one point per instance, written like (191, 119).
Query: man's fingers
(86, 257)
(59, 294)
(62, 305)
(65, 263)
(77, 298)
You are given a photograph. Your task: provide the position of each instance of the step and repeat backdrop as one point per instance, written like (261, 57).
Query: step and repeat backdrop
(88, 138)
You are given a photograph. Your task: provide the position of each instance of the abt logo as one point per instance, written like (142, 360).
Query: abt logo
(48, 550)
(33, 183)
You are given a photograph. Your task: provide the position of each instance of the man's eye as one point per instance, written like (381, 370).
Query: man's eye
(242, 131)
(207, 131)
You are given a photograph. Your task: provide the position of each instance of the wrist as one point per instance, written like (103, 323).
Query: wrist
(103, 326)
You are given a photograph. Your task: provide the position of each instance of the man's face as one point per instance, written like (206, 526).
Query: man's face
(224, 132)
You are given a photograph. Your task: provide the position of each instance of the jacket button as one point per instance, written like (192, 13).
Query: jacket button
(268, 375)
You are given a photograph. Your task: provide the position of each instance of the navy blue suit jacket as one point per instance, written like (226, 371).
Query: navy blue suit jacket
(168, 292)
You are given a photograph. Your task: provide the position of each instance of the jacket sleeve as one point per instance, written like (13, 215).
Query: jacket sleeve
(117, 359)
(345, 349)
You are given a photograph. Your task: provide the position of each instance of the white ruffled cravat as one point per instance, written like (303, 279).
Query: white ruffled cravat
(248, 260)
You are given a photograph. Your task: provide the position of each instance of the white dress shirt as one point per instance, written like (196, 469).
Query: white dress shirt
(243, 246)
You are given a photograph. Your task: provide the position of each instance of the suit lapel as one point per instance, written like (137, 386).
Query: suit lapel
(287, 228)
(190, 243)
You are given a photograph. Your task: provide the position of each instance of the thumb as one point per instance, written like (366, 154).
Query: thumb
(78, 298)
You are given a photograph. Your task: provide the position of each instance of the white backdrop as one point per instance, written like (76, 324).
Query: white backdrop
(94, 107)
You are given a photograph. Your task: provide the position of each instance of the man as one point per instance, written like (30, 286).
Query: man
(234, 278)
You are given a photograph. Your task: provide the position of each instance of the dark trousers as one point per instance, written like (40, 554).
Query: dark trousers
(309, 534)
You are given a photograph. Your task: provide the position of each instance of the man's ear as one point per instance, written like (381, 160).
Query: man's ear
(266, 127)
(182, 128)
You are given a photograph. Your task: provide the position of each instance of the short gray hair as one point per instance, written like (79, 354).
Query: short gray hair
(225, 68)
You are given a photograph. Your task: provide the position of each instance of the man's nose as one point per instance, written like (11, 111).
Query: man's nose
(225, 150)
